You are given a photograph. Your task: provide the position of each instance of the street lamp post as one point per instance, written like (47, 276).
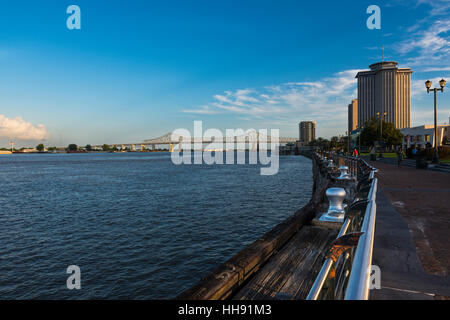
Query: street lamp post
(359, 143)
(381, 128)
(428, 86)
(381, 124)
(348, 141)
(359, 139)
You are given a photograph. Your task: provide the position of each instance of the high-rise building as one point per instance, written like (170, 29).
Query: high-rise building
(385, 88)
(353, 115)
(307, 131)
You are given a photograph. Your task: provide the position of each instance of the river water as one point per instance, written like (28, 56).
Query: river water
(138, 226)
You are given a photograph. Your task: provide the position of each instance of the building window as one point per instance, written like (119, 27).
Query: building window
(427, 138)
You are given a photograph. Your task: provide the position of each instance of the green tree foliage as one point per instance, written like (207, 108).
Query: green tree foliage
(320, 142)
(371, 133)
(72, 147)
(105, 147)
(336, 143)
(88, 147)
(40, 147)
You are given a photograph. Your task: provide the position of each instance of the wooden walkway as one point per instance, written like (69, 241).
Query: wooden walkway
(291, 272)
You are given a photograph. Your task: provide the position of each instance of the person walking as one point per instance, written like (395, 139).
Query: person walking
(399, 157)
(373, 156)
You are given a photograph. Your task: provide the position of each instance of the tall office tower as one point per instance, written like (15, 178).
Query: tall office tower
(385, 88)
(353, 115)
(307, 131)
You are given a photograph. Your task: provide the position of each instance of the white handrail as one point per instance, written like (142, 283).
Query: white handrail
(326, 267)
(358, 284)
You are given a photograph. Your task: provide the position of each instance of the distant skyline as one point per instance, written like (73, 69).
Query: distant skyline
(137, 70)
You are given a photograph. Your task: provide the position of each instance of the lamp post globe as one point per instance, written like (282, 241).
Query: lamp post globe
(428, 85)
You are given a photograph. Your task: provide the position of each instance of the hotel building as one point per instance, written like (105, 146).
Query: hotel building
(307, 131)
(353, 115)
(385, 88)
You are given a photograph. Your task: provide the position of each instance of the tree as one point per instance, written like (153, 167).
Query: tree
(371, 133)
(334, 143)
(40, 147)
(88, 147)
(105, 147)
(72, 147)
(321, 143)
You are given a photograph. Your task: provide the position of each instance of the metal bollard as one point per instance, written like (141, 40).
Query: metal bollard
(330, 163)
(336, 212)
(344, 173)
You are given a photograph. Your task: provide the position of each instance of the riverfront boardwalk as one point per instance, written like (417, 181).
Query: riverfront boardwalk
(290, 261)
(285, 263)
(412, 245)
(290, 274)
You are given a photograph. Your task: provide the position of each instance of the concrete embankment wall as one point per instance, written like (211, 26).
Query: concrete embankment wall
(229, 277)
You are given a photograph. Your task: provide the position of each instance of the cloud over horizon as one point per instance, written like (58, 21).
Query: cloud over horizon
(19, 129)
(280, 104)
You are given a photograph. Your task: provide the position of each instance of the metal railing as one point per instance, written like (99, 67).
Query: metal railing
(316, 289)
(349, 277)
(358, 284)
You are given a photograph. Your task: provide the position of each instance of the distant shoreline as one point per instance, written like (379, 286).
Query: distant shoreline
(2, 152)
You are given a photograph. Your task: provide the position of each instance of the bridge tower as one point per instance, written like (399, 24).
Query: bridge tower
(180, 145)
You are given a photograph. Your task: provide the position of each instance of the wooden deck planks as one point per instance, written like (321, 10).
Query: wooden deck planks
(227, 279)
(291, 272)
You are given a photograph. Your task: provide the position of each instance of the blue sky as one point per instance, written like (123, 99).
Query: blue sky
(139, 69)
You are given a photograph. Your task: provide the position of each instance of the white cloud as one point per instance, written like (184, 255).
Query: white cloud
(436, 69)
(201, 110)
(324, 101)
(424, 114)
(438, 7)
(19, 129)
(428, 48)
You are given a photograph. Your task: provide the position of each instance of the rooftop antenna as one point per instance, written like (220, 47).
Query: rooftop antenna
(382, 59)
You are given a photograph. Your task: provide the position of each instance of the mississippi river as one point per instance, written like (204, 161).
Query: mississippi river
(138, 226)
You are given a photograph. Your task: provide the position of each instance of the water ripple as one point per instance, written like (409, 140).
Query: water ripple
(138, 226)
